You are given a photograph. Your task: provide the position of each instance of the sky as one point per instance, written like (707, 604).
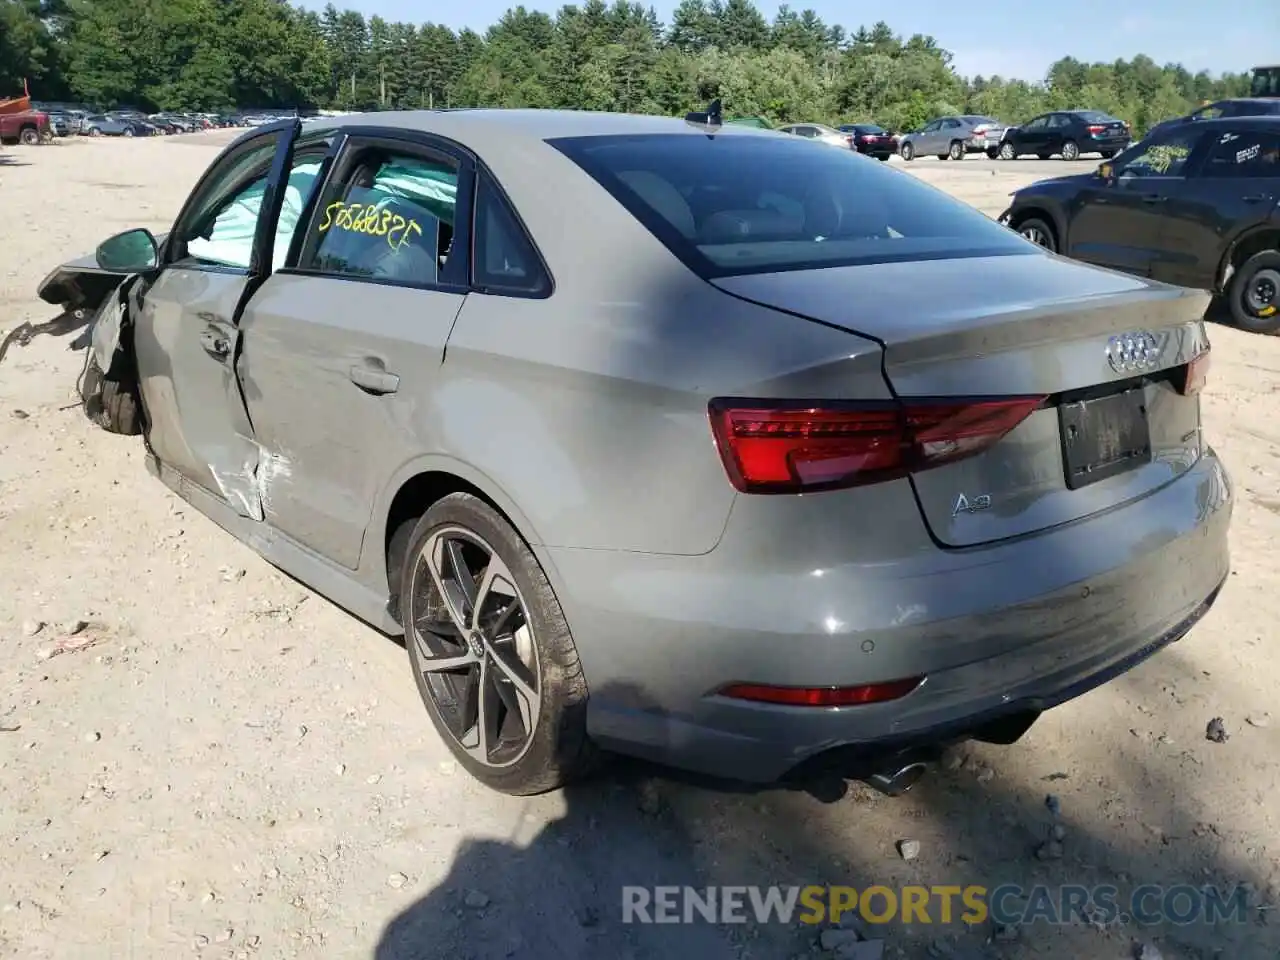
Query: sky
(1013, 38)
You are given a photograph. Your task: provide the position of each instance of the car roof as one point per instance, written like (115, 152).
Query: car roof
(1226, 123)
(487, 129)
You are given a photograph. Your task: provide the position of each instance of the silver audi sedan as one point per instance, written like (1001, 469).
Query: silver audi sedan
(665, 438)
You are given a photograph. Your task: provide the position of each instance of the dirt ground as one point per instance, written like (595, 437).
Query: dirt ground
(227, 766)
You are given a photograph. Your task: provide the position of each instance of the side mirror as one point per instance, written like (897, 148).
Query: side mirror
(134, 251)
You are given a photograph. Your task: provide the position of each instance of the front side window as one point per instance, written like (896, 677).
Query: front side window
(731, 205)
(1249, 154)
(391, 219)
(221, 230)
(1039, 123)
(1166, 157)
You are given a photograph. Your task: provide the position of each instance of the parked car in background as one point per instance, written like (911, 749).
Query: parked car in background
(760, 123)
(819, 132)
(953, 137)
(64, 124)
(28, 127)
(105, 126)
(1195, 205)
(873, 140)
(1066, 133)
(1239, 107)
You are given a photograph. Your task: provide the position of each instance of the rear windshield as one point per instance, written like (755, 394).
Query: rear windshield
(729, 205)
(973, 119)
(1096, 116)
(866, 128)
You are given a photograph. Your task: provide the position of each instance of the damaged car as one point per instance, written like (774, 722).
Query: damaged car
(623, 424)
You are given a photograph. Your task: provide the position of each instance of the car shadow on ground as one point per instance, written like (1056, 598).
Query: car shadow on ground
(562, 897)
(8, 160)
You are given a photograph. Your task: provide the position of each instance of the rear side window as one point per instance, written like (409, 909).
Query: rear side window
(504, 260)
(1248, 154)
(391, 219)
(737, 204)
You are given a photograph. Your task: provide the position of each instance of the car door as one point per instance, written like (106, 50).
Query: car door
(1233, 189)
(1033, 135)
(1117, 221)
(927, 139)
(341, 347)
(1056, 131)
(186, 338)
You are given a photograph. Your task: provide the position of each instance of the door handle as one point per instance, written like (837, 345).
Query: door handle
(1256, 198)
(373, 380)
(215, 343)
(1154, 198)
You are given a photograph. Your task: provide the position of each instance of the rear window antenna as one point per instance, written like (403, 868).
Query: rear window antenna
(711, 120)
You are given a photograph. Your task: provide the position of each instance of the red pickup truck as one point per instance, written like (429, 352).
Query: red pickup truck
(28, 127)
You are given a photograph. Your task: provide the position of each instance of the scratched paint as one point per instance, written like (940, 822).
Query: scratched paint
(250, 491)
(272, 469)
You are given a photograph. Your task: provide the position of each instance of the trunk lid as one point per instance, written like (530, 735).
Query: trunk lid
(1014, 326)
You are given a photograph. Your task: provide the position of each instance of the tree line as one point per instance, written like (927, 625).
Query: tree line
(226, 54)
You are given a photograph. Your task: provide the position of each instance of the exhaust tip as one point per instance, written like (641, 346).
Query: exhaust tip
(897, 780)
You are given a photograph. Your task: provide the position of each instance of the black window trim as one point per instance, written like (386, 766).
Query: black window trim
(686, 252)
(355, 139)
(484, 173)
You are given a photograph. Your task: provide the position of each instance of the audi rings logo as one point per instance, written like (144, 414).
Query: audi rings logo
(1134, 352)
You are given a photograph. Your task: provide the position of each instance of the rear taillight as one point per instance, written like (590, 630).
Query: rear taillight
(979, 131)
(1197, 374)
(849, 139)
(801, 446)
(1097, 128)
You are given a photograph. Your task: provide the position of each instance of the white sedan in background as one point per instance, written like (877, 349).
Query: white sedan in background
(820, 132)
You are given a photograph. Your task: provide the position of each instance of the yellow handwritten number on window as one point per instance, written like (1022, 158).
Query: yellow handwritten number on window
(372, 221)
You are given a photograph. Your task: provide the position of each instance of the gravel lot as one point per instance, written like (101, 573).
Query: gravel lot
(228, 766)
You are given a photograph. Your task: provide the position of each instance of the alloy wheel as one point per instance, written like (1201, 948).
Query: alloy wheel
(473, 646)
(1037, 235)
(1262, 296)
(1007, 152)
(1070, 151)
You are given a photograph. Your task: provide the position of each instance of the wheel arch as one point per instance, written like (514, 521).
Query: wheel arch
(1045, 212)
(412, 491)
(1253, 240)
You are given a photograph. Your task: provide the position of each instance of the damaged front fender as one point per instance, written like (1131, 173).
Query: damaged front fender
(81, 284)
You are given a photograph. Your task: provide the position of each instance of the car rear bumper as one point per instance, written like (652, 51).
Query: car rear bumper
(1013, 628)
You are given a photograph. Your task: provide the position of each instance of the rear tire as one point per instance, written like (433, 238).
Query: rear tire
(29, 137)
(112, 405)
(956, 152)
(908, 152)
(1108, 154)
(1254, 293)
(95, 132)
(882, 156)
(1008, 151)
(1070, 151)
(993, 153)
(539, 652)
